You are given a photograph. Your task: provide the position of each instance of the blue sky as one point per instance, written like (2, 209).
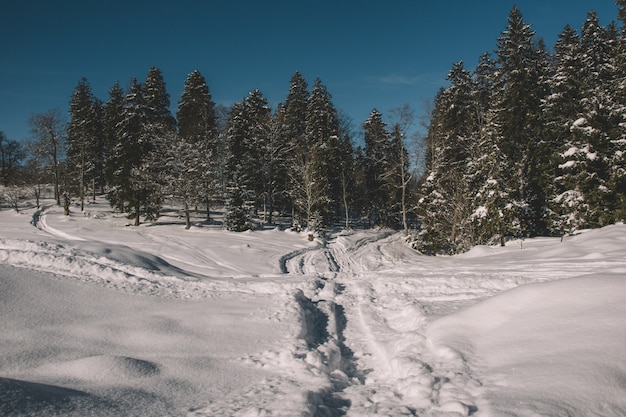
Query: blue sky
(368, 54)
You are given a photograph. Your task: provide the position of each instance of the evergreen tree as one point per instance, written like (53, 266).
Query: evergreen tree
(292, 118)
(377, 162)
(618, 142)
(347, 167)
(196, 147)
(11, 154)
(519, 93)
(598, 123)
(322, 141)
(248, 136)
(562, 107)
(196, 111)
(447, 199)
(276, 165)
(134, 188)
(157, 102)
(112, 117)
(83, 139)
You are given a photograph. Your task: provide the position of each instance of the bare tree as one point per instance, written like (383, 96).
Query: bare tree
(402, 121)
(48, 131)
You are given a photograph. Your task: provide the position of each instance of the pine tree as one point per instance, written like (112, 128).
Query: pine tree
(377, 162)
(347, 167)
(618, 142)
(82, 133)
(292, 130)
(519, 93)
(276, 165)
(588, 199)
(248, 134)
(158, 102)
(447, 202)
(134, 188)
(196, 111)
(562, 108)
(112, 117)
(322, 141)
(196, 147)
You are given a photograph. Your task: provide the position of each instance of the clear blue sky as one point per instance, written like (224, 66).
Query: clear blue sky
(368, 54)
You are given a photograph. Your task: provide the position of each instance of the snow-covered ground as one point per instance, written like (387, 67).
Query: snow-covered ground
(104, 319)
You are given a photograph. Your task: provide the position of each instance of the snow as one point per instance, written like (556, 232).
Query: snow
(105, 319)
(567, 164)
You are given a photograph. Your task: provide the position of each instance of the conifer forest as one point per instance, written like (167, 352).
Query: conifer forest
(529, 141)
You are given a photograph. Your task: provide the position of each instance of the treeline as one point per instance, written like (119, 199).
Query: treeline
(298, 159)
(530, 142)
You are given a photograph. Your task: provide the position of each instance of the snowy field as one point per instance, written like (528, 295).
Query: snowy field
(104, 319)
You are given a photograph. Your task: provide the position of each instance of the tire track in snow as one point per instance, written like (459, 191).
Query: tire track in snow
(393, 370)
(39, 221)
(323, 325)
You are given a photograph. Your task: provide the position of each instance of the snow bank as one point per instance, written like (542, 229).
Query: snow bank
(553, 348)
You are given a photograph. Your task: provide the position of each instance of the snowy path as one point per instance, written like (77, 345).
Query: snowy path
(387, 296)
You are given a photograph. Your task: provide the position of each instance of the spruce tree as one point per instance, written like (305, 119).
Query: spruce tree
(112, 116)
(292, 117)
(377, 162)
(134, 187)
(519, 93)
(157, 101)
(248, 136)
(447, 198)
(322, 141)
(196, 147)
(618, 142)
(83, 132)
(562, 108)
(602, 118)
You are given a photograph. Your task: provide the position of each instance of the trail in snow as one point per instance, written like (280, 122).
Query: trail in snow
(388, 297)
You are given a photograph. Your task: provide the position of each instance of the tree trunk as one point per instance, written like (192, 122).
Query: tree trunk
(187, 219)
(137, 221)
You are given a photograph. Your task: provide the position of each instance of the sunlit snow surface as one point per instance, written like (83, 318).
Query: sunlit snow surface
(104, 319)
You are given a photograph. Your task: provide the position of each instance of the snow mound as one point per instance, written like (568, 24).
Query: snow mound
(521, 357)
(101, 369)
(25, 398)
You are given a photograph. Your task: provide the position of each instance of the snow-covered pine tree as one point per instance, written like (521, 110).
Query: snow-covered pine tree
(83, 140)
(112, 116)
(160, 132)
(248, 134)
(446, 202)
(322, 141)
(134, 189)
(158, 102)
(586, 155)
(292, 118)
(195, 151)
(377, 162)
(562, 107)
(276, 166)
(346, 166)
(618, 142)
(518, 94)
